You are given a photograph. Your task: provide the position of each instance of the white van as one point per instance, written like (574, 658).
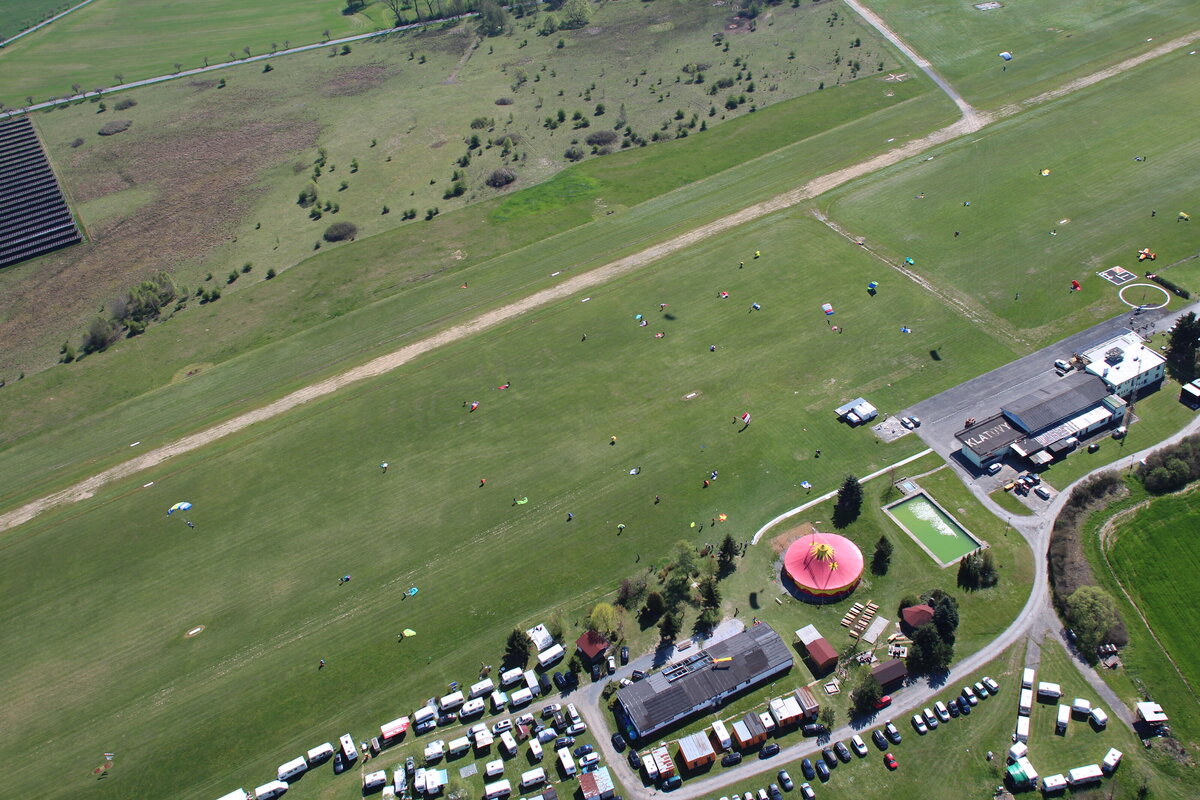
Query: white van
(535, 777)
(520, 697)
(482, 688)
(566, 762)
(292, 769)
(374, 780)
(270, 790)
(573, 713)
(471, 708)
(535, 750)
(451, 701)
(349, 749)
(494, 791)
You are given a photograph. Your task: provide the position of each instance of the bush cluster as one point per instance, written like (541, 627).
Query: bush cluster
(340, 231)
(1173, 467)
(1170, 285)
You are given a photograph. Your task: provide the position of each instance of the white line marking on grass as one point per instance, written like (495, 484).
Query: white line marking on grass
(828, 495)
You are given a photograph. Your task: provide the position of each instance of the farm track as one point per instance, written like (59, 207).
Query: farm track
(384, 364)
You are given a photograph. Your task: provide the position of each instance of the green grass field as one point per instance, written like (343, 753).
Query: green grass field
(1050, 42)
(19, 15)
(281, 512)
(1097, 198)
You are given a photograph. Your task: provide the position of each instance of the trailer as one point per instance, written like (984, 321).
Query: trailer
(721, 735)
(349, 749)
(493, 791)
(566, 762)
(1064, 717)
(1081, 776)
(1051, 691)
(1111, 759)
(486, 686)
(532, 778)
(1099, 718)
(1022, 733)
(1027, 678)
(511, 676)
(1054, 783)
(1026, 704)
(451, 701)
(292, 769)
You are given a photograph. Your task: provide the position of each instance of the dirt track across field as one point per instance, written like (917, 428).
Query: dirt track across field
(580, 283)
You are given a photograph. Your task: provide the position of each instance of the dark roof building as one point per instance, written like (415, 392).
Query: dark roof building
(1060, 401)
(890, 672)
(823, 656)
(591, 645)
(703, 680)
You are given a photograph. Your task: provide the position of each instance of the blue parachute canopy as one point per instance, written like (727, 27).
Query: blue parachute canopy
(178, 507)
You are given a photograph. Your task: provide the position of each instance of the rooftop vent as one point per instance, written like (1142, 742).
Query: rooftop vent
(1114, 355)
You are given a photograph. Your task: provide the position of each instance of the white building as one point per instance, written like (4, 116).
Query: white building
(1125, 364)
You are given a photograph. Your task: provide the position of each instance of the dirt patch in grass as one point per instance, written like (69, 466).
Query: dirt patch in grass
(355, 80)
(203, 174)
(781, 542)
(201, 85)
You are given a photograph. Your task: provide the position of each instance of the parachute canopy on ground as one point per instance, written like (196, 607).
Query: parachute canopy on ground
(178, 507)
(827, 308)
(1007, 56)
(409, 632)
(824, 566)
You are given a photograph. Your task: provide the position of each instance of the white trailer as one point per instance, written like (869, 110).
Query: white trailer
(548, 657)
(451, 701)
(374, 780)
(1082, 706)
(535, 750)
(1099, 718)
(511, 676)
(721, 735)
(1064, 717)
(1027, 679)
(292, 769)
(322, 752)
(1025, 706)
(236, 794)
(1049, 690)
(532, 778)
(531, 683)
(425, 715)
(471, 708)
(494, 791)
(566, 762)
(1111, 759)
(482, 688)
(650, 766)
(1022, 733)
(1054, 783)
(508, 744)
(499, 701)
(520, 698)
(270, 790)
(459, 746)
(1081, 776)
(349, 749)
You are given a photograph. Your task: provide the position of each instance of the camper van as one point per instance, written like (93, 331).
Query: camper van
(1049, 691)
(471, 708)
(451, 701)
(721, 735)
(494, 791)
(535, 750)
(509, 677)
(550, 656)
(520, 698)
(270, 790)
(1027, 679)
(292, 769)
(1064, 717)
(374, 780)
(1081, 776)
(322, 752)
(566, 762)
(349, 749)
(482, 688)
(535, 777)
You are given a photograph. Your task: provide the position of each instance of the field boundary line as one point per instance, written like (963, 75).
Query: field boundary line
(304, 48)
(1107, 537)
(43, 23)
(829, 495)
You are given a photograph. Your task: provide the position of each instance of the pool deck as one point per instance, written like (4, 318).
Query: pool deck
(981, 544)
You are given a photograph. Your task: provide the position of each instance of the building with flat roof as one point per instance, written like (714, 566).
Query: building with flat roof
(1127, 367)
(597, 785)
(696, 750)
(1048, 406)
(702, 681)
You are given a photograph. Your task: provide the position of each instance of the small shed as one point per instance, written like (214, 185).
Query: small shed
(890, 673)
(914, 617)
(597, 785)
(808, 702)
(696, 751)
(822, 655)
(663, 761)
(591, 646)
(754, 727)
(741, 735)
(1151, 712)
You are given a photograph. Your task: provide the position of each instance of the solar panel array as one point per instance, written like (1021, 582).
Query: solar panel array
(34, 217)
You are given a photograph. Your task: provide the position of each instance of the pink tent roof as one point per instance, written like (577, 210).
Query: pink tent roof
(824, 563)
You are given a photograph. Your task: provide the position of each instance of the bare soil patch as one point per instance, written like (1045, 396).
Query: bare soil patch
(355, 80)
(784, 540)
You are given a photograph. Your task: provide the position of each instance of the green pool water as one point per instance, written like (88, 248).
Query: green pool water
(944, 538)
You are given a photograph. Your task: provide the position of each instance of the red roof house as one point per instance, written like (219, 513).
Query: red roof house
(591, 645)
(916, 616)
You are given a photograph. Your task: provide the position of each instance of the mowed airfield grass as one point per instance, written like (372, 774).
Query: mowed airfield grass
(97, 656)
(1050, 42)
(1097, 198)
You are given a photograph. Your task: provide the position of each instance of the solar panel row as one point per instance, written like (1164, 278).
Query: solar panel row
(34, 217)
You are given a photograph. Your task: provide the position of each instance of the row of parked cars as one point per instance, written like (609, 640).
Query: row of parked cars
(941, 712)
(772, 791)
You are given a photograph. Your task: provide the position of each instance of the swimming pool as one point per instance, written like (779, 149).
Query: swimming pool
(938, 533)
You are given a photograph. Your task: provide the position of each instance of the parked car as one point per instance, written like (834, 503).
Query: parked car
(637, 675)
(814, 729)
(560, 681)
(747, 796)
(931, 719)
(964, 706)
(671, 784)
(525, 719)
(625, 655)
(905, 421)
(730, 759)
(822, 771)
(612, 665)
(1061, 366)
(773, 791)
(806, 767)
(919, 724)
(762, 794)
(981, 691)
(884, 701)
(618, 742)
(564, 741)
(893, 733)
(596, 671)
(991, 685)
(1041, 492)
(626, 682)
(768, 750)
(953, 707)
(588, 761)
(583, 750)
(410, 766)
(842, 751)
(785, 780)
(447, 719)
(879, 739)
(635, 760)
(860, 747)
(969, 695)
(502, 726)
(577, 728)
(994, 468)
(890, 761)
(915, 421)
(807, 792)
(943, 714)
(548, 711)
(829, 756)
